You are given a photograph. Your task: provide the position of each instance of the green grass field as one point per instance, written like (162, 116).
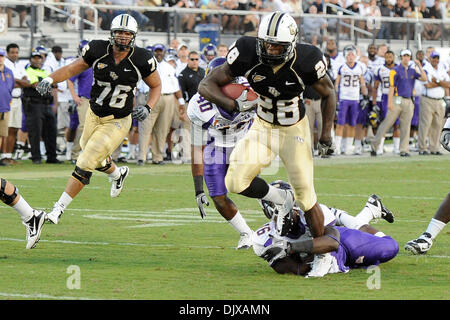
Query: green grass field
(150, 242)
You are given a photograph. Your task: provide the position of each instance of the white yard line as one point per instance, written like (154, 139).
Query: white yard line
(43, 296)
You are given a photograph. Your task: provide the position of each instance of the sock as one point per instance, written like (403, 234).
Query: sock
(435, 227)
(349, 143)
(24, 209)
(65, 199)
(365, 216)
(344, 145)
(381, 146)
(396, 144)
(239, 224)
(257, 189)
(275, 195)
(20, 143)
(358, 144)
(347, 220)
(7, 155)
(379, 234)
(69, 147)
(338, 141)
(132, 152)
(115, 174)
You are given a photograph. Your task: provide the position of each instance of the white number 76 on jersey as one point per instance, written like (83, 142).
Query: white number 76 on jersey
(118, 99)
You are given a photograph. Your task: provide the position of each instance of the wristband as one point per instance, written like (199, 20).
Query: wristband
(148, 108)
(198, 185)
(300, 246)
(48, 79)
(181, 101)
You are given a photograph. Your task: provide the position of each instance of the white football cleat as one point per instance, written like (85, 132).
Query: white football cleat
(320, 265)
(420, 245)
(284, 214)
(55, 214)
(34, 228)
(245, 242)
(117, 185)
(379, 211)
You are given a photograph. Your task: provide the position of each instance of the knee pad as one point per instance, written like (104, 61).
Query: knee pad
(7, 198)
(106, 166)
(81, 175)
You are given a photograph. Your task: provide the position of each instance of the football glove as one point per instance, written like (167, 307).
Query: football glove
(277, 250)
(202, 200)
(140, 113)
(326, 148)
(365, 103)
(45, 86)
(242, 104)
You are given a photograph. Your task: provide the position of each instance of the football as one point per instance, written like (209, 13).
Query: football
(234, 90)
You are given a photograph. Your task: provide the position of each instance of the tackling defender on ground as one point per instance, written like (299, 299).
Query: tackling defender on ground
(338, 250)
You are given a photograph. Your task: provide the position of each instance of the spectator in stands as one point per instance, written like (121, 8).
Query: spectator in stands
(230, 23)
(312, 27)
(141, 19)
(251, 21)
(431, 31)
(387, 10)
(332, 23)
(21, 10)
(187, 19)
(355, 7)
(6, 88)
(155, 17)
(397, 27)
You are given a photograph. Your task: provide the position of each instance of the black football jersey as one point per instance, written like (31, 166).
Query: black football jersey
(114, 86)
(279, 91)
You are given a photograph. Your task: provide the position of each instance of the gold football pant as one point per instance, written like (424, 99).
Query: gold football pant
(258, 149)
(101, 136)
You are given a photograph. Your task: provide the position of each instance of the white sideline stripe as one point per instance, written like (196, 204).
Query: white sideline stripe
(119, 244)
(44, 296)
(177, 246)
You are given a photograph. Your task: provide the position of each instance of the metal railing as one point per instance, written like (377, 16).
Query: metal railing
(406, 27)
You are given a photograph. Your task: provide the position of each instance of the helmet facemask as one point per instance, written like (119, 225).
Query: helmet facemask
(114, 40)
(271, 59)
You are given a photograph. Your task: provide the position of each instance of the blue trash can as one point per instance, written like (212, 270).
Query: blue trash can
(208, 33)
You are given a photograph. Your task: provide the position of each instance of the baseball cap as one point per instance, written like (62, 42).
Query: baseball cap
(159, 47)
(36, 53)
(170, 57)
(434, 54)
(405, 52)
(183, 45)
(2, 52)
